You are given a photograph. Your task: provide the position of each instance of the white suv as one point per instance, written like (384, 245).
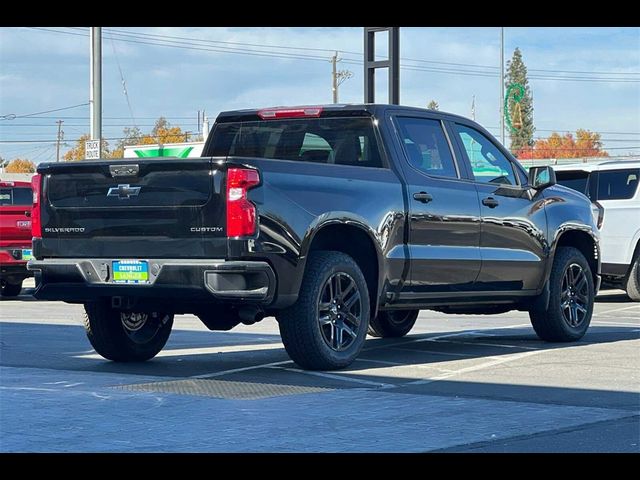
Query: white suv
(612, 186)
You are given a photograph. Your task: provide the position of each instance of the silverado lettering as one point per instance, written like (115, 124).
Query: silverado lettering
(341, 221)
(64, 229)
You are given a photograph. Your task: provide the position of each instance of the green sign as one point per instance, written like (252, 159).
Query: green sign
(180, 152)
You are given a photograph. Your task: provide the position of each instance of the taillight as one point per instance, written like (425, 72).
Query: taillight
(36, 219)
(296, 112)
(241, 213)
(598, 214)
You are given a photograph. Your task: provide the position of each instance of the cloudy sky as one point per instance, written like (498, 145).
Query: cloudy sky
(580, 77)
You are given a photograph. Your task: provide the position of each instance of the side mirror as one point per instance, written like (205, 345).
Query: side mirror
(542, 177)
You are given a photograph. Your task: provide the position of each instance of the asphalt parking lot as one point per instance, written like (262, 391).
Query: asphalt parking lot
(455, 384)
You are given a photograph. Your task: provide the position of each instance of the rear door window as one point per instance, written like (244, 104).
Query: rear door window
(618, 184)
(338, 141)
(426, 146)
(16, 196)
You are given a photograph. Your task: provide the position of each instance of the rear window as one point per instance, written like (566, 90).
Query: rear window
(338, 141)
(578, 180)
(15, 196)
(617, 184)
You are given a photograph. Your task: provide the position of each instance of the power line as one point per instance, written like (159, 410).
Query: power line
(234, 43)
(136, 38)
(124, 84)
(14, 116)
(108, 118)
(193, 39)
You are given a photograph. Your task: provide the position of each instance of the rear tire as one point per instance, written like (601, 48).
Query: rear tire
(11, 289)
(633, 281)
(326, 328)
(126, 336)
(393, 323)
(570, 306)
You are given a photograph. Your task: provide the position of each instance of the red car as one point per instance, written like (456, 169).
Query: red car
(16, 199)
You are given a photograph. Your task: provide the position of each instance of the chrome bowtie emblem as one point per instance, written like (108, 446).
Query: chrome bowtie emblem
(123, 191)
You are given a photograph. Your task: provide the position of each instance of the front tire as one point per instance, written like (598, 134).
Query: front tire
(571, 289)
(326, 328)
(126, 336)
(11, 289)
(393, 323)
(633, 281)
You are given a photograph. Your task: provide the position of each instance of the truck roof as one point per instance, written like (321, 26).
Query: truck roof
(329, 110)
(598, 166)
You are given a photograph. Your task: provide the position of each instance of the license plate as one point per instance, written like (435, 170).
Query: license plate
(27, 254)
(130, 271)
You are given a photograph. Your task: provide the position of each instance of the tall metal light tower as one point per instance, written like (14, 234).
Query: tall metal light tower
(95, 80)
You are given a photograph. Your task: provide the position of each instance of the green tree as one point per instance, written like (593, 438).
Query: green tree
(433, 105)
(517, 73)
(130, 136)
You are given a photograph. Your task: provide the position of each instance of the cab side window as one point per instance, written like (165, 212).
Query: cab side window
(488, 164)
(426, 146)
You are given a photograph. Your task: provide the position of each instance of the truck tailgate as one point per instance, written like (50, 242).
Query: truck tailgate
(155, 208)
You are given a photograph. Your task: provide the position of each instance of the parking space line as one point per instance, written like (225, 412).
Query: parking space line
(623, 324)
(338, 377)
(381, 362)
(446, 354)
(475, 368)
(177, 352)
(447, 335)
(238, 370)
(502, 345)
(621, 309)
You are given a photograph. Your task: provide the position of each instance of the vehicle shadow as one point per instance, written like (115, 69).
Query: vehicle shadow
(613, 296)
(197, 353)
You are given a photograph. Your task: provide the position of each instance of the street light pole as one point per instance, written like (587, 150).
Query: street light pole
(502, 84)
(95, 92)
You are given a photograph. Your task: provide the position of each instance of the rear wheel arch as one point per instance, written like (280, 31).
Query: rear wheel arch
(635, 255)
(356, 240)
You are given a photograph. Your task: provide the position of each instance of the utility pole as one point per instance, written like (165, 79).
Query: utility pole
(473, 108)
(334, 77)
(59, 139)
(95, 92)
(337, 77)
(502, 84)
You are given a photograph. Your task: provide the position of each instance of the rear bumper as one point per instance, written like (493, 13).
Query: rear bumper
(15, 271)
(12, 267)
(83, 280)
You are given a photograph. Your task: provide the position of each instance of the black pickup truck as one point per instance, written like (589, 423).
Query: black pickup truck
(339, 220)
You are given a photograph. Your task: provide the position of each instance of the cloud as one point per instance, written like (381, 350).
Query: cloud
(44, 70)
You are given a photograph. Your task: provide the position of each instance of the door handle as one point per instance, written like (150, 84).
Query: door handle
(490, 202)
(423, 197)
